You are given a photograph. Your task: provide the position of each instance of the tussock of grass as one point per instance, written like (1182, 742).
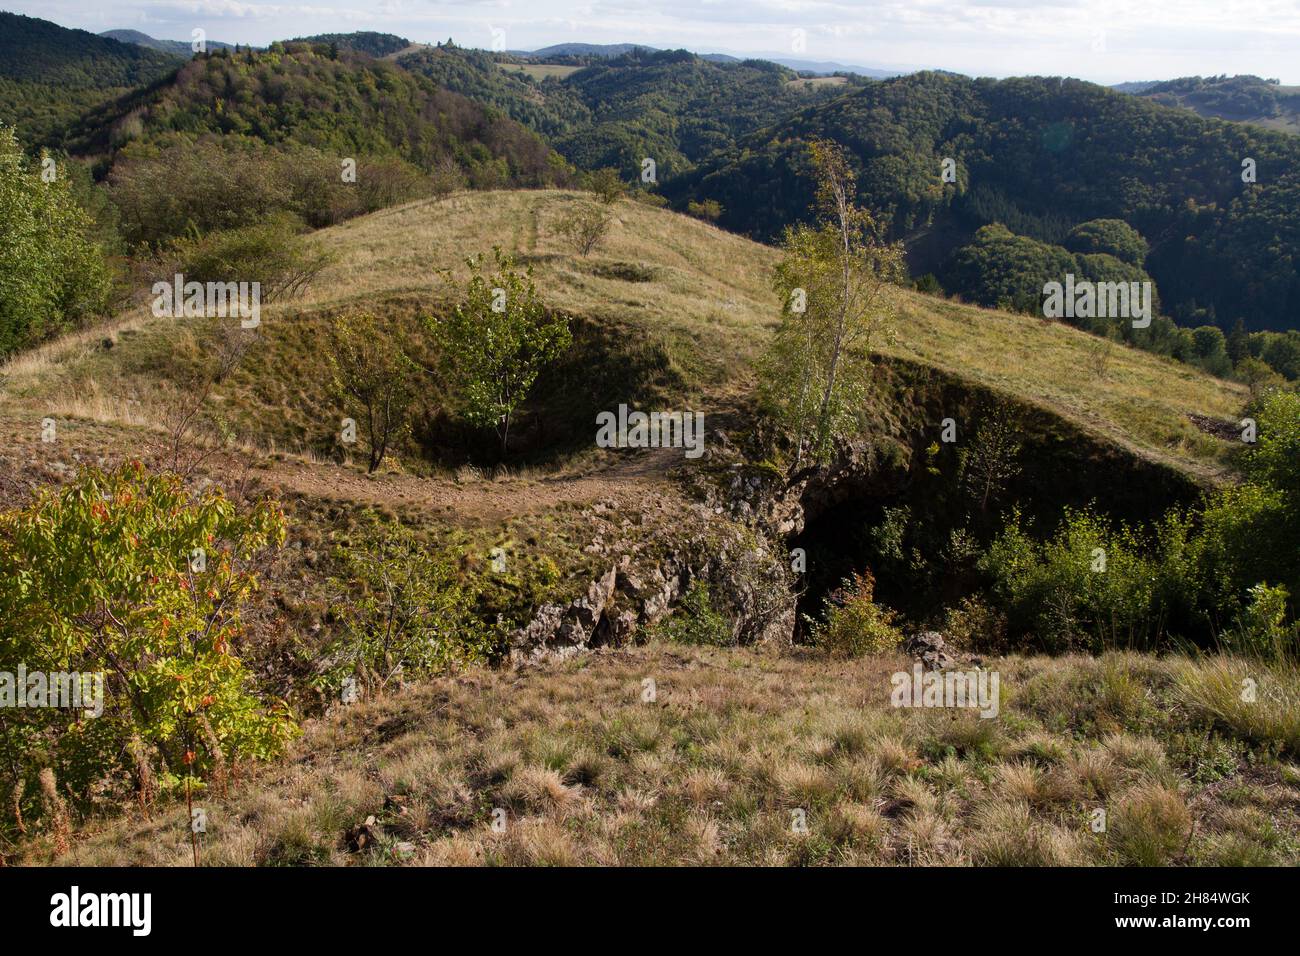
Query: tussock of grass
(745, 757)
(1257, 702)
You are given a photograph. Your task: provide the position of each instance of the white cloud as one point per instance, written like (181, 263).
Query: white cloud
(1143, 40)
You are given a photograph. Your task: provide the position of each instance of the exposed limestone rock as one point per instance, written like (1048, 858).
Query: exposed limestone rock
(930, 649)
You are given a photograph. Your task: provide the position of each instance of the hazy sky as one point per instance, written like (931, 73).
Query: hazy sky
(1102, 40)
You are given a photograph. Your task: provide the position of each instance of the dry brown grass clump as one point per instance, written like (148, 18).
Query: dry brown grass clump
(746, 756)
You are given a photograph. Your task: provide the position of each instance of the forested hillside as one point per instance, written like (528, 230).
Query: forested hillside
(550, 107)
(1247, 99)
(1042, 155)
(672, 106)
(48, 75)
(315, 95)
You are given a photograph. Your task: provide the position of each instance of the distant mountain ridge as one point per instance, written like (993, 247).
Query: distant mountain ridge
(183, 48)
(613, 50)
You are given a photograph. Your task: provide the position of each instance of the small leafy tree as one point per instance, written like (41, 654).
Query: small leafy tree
(373, 378)
(126, 575)
(52, 275)
(606, 184)
(836, 281)
(496, 341)
(404, 610)
(585, 228)
(989, 461)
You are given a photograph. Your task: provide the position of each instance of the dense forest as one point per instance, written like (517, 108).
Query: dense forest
(1042, 155)
(672, 106)
(49, 75)
(364, 41)
(550, 107)
(318, 96)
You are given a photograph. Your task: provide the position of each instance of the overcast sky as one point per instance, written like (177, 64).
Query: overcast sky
(1102, 40)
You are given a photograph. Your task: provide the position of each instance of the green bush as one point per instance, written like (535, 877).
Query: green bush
(269, 253)
(854, 624)
(1089, 585)
(403, 610)
(126, 575)
(1229, 575)
(53, 277)
(695, 621)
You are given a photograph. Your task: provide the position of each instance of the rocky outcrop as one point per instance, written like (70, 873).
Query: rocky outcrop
(930, 648)
(749, 581)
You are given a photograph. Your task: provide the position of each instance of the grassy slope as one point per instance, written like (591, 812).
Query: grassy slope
(708, 301)
(711, 301)
(741, 737)
(738, 740)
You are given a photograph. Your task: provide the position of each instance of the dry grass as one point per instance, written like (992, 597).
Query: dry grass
(1258, 702)
(540, 71)
(701, 293)
(746, 757)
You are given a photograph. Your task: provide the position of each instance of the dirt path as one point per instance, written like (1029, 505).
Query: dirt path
(26, 463)
(485, 499)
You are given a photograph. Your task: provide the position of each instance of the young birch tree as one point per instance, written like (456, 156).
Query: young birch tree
(837, 279)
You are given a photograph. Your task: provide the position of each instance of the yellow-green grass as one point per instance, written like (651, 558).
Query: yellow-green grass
(704, 294)
(540, 71)
(747, 756)
(807, 83)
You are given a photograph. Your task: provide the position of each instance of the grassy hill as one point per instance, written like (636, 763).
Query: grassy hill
(1242, 99)
(685, 302)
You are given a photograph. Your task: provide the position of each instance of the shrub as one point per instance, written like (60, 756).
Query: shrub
(269, 253)
(584, 228)
(53, 277)
(709, 210)
(1088, 584)
(695, 621)
(125, 575)
(854, 624)
(403, 610)
(974, 625)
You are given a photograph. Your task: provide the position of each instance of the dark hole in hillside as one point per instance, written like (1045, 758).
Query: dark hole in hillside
(919, 526)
